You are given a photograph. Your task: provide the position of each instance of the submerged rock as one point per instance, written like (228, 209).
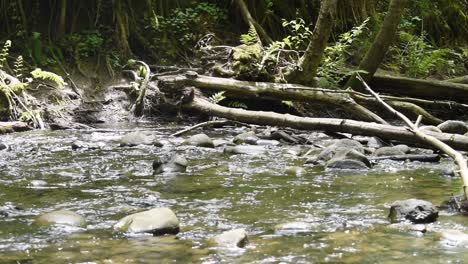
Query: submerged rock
(86, 146)
(454, 238)
(230, 239)
(199, 140)
(175, 163)
(61, 217)
(375, 143)
(456, 203)
(138, 138)
(454, 127)
(3, 146)
(346, 164)
(406, 227)
(157, 221)
(414, 210)
(292, 228)
(392, 151)
(8, 209)
(246, 136)
(245, 149)
(342, 144)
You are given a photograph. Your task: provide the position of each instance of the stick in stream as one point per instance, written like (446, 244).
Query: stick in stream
(457, 156)
(203, 124)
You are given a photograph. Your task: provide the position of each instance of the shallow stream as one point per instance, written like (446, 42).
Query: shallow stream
(219, 192)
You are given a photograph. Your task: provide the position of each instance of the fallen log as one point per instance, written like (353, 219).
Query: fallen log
(463, 80)
(410, 157)
(441, 90)
(9, 127)
(384, 131)
(264, 90)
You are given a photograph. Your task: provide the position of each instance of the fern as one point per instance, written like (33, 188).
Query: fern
(19, 67)
(45, 75)
(4, 53)
(217, 97)
(237, 104)
(250, 38)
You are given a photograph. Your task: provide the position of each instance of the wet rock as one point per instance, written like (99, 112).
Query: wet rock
(199, 140)
(241, 138)
(292, 228)
(456, 203)
(138, 138)
(267, 142)
(4, 146)
(375, 142)
(8, 209)
(157, 221)
(466, 134)
(342, 144)
(454, 238)
(37, 183)
(346, 164)
(350, 154)
(230, 239)
(245, 149)
(61, 217)
(390, 151)
(85, 145)
(413, 210)
(430, 129)
(454, 127)
(175, 163)
(220, 142)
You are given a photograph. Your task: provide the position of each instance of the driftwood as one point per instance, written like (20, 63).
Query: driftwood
(386, 132)
(430, 89)
(460, 160)
(410, 157)
(203, 124)
(264, 90)
(9, 127)
(139, 105)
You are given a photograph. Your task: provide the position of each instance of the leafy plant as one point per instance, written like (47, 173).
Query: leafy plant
(4, 53)
(45, 75)
(250, 38)
(237, 104)
(217, 97)
(19, 67)
(299, 34)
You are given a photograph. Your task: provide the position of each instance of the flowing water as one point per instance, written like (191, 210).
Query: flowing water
(219, 192)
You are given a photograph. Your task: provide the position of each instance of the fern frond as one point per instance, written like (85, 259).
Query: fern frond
(45, 75)
(237, 104)
(4, 53)
(19, 67)
(251, 37)
(217, 97)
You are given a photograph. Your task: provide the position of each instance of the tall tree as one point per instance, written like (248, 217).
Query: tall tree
(310, 61)
(374, 56)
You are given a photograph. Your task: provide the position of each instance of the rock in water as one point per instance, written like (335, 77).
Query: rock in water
(157, 221)
(176, 163)
(414, 210)
(454, 127)
(243, 137)
(61, 217)
(3, 146)
(346, 164)
(392, 151)
(245, 149)
(230, 239)
(138, 138)
(200, 140)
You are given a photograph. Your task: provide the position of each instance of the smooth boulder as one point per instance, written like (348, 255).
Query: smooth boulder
(342, 144)
(176, 163)
(391, 151)
(245, 149)
(453, 127)
(199, 140)
(138, 138)
(230, 239)
(346, 164)
(414, 210)
(246, 136)
(157, 221)
(61, 217)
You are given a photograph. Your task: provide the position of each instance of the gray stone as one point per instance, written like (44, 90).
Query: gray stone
(175, 163)
(403, 148)
(346, 144)
(3, 146)
(268, 142)
(157, 221)
(388, 151)
(61, 217)
(200, 140)
(454, 238)
(138, 138)
(292, 228)
(245, 149)
(413, 210)
(454, 127)
(230, 239)
(430, 129)
(375, 142)
(239, 139)
(38, 183)
(350, 154)
(220, 142)
(346, 164)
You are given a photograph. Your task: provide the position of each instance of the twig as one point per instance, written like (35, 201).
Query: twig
(204, 124)
(457, 156)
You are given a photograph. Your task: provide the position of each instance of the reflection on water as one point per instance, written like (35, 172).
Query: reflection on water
(218, 192)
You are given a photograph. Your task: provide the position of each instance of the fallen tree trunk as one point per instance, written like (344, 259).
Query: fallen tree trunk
(463, 80)
(264, 90)
(383, 131)
(430, 89)
(9, 127)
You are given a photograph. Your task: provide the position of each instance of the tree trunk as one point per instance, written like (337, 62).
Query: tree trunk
(310, 61)
(382, 41)
(387, 132)
(244, 10)
(62, 19)
(273, 91)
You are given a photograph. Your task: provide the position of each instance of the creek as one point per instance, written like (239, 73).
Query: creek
(348, 210)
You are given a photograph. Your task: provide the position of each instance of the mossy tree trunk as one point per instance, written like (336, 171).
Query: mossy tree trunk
(382, 41)
(310, 61)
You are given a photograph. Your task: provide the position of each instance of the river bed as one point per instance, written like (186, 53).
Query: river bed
(219, 192)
